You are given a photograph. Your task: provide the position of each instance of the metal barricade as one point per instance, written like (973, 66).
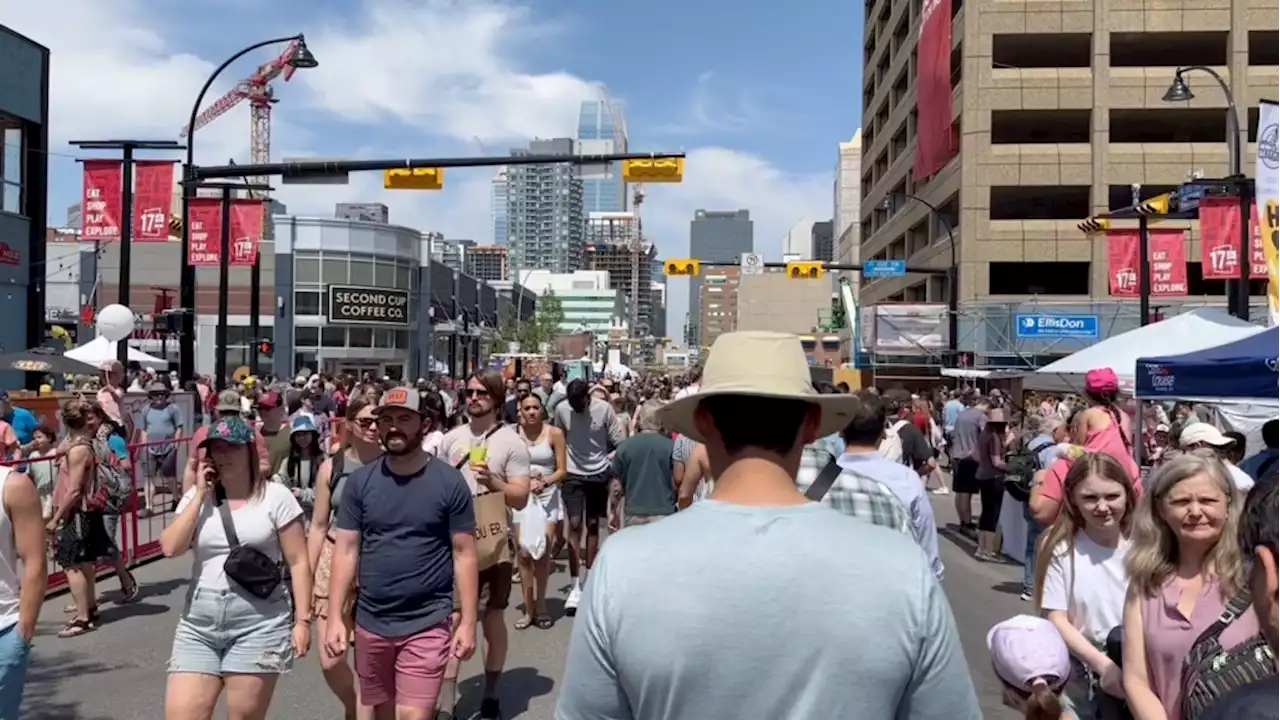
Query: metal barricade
(157, 469)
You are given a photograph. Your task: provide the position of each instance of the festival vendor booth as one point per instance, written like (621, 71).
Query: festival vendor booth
(1202, 329)
(1240, 378)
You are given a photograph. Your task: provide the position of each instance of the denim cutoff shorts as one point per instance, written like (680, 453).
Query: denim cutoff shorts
(230, 632)
(14, 653)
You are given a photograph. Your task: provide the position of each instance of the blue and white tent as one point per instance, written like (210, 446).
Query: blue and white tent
(1242, 370)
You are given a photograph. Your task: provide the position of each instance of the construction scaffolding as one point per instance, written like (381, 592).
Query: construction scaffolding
(615, 245)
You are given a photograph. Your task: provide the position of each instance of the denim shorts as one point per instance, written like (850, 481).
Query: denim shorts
(229, 632)
(14, 652)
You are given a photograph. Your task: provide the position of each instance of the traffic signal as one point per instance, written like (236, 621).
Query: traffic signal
(1094, 225)
(265, 347)
(656, 170)
(413, 179)
(804, 270)
(683, 266)
(1158, 205)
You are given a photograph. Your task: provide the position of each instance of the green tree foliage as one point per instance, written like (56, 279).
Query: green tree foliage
(545, 326)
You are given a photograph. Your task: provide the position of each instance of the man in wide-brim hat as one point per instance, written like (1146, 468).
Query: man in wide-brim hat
(757, 565)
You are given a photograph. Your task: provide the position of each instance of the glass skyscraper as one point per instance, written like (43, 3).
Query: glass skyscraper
(498, 207)
(596, 135)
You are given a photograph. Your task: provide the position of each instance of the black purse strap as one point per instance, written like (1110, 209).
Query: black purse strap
(822, 484)
(1236, 606)
(224, 512)
(483, 439)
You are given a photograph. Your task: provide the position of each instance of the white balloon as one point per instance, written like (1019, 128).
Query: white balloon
(115, 322)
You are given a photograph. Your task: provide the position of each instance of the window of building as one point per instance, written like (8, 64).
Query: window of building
(306, 337)
(1041, 50)
(360, 337)
(1169, 49)
(335, 337)
(1040, 126)
(1168, 125)
(306, 270)
(334, 271)
(362, 273)
(11, 166)
(1038, 278)
(1264, 48)
(1039, 202)
(307, 303)
(1197, 286)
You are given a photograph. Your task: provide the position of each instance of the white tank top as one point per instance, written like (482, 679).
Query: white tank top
(10, 573)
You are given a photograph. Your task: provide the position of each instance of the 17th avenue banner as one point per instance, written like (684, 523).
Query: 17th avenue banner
(204, 218)
(1167, 253)
(246, 231)
(1220, 240)
(152, 199)
(1268, 195)
(102, 200)
(935, 145)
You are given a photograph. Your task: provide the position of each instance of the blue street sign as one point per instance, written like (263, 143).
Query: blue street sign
(1040, 327)
(884, 268)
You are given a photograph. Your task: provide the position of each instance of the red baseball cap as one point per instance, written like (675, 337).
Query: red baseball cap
(269, 401)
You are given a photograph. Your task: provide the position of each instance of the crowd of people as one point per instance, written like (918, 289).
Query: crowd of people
(398, 520)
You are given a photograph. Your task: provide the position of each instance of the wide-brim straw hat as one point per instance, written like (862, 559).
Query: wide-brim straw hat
(756, 364)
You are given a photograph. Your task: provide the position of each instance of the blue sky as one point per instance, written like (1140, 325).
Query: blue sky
(758, 99)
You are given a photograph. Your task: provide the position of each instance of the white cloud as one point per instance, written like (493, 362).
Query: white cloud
(403, 76)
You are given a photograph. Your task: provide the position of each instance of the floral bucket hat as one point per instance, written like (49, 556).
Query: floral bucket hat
(232, 430)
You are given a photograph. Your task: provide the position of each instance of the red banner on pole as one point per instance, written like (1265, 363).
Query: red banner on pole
(934, 146)
(103, 198)
(1220, 240)
(1168, 255)
(152, 200)
(246, 231)
(204, 218)
(1168, 262)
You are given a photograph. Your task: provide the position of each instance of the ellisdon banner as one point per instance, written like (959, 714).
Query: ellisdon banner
(368, 305)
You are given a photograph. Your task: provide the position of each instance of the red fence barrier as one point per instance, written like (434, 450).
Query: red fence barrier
(155, 470)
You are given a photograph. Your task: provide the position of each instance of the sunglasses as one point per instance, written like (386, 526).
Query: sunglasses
(472, 392)
(365, 423)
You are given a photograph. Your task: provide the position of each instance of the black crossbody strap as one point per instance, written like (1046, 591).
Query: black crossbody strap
(224, 512)
(824, 481)
(1236, 607)
(485, 438)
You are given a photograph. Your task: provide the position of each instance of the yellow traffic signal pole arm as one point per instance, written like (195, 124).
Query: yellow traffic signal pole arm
(826, 267)
(312, 168)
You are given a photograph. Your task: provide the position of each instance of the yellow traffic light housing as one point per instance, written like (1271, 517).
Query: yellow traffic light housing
(683, 266)
(1158, 205)
(657, 170)
(413, 179)
(804, 270)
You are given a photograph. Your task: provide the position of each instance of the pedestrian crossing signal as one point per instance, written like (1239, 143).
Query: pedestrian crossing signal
(804, 270)
(265, 347)
(684, 266)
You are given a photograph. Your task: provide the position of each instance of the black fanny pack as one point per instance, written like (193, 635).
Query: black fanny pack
(249, 567)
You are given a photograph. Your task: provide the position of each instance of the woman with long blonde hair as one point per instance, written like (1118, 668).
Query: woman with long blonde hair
(1081, 581)
(1184, 567)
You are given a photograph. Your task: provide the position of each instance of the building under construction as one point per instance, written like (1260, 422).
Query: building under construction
(615, 245)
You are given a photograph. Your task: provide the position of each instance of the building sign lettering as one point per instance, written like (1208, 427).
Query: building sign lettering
(368, 305)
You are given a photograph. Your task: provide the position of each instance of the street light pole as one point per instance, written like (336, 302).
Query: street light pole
(1180, 91)
(187, 286)
(953, 280)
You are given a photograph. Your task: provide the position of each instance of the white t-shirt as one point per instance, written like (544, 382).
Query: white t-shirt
(431, 443)
(1095, 600)
(686, 392)
(257, 524)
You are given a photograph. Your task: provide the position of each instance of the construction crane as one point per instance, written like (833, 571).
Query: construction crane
(618, 123)
(257, 90)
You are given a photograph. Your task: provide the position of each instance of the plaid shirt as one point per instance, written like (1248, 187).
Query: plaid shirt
(853, 495)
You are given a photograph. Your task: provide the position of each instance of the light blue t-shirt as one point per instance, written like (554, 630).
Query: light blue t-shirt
(950, 411)
(791, 612)
(24, 424)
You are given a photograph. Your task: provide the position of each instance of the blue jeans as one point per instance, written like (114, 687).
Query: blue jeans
(14, 652)
(1029, 555)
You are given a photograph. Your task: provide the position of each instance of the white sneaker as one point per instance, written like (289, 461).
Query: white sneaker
(571, 602)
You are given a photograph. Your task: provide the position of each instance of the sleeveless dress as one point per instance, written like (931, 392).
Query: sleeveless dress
(542, 458)
(324, 566)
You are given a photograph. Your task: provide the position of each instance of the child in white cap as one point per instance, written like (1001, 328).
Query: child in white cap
(1033, 662)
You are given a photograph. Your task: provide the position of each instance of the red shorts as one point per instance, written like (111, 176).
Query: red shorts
(407, 670)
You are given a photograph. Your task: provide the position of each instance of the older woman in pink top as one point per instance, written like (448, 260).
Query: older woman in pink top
(1102, 428)
(1184, 567)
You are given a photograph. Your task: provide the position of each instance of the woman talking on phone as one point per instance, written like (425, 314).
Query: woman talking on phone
(239, 630)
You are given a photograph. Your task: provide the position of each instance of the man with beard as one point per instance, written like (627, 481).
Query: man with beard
(495, 461)
(406, 534)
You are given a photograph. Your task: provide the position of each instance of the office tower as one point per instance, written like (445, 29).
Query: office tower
(718, 304)
(545, 220)
(614, 245)
(602, 130)
(715, 236)
(846, 190)
(822, 241)
(498, 206)
(797, 244)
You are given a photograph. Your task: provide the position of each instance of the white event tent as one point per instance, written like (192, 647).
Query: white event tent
(1196, 330)
(100, 350)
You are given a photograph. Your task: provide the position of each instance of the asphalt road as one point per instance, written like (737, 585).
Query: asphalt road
(118, 672)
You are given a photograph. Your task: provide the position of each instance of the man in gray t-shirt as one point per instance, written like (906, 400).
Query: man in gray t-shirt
(964, 469)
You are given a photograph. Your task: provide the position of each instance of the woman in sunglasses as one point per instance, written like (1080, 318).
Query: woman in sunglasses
(359, 447)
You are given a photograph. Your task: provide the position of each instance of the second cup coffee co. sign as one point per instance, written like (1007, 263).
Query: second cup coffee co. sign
(367, 305)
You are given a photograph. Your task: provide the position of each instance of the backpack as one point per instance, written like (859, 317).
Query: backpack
(1020, 470)
(891, 445)
(112, 487)
(1210, 672)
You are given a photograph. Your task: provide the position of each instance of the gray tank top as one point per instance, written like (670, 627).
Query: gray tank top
(543, 457)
